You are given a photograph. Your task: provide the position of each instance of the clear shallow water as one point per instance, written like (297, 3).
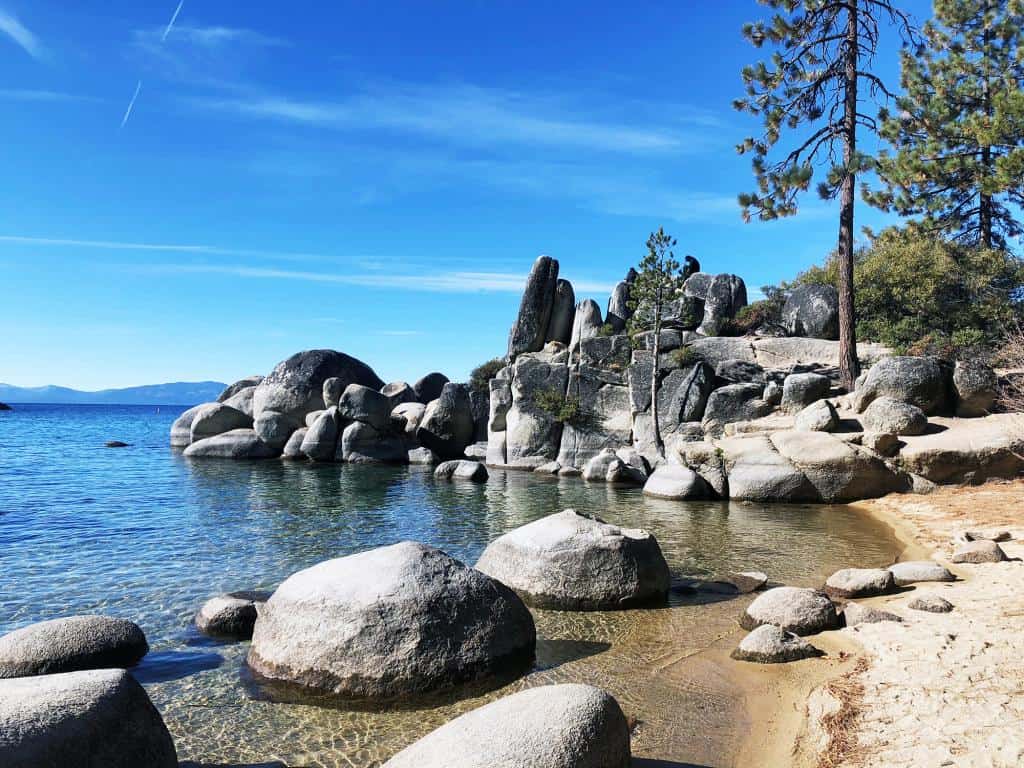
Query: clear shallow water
(143, 533)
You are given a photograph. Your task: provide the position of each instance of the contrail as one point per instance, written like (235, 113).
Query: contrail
(128, 112)
(173, 19)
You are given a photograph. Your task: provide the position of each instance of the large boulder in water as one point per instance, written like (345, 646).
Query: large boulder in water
(181, 429)
(71, 644)
(232, 615)
(812, 310)
(920, 381)
(769, 644)
(447, 425)
(570, 562)
(391, 622)
(362, 443)
(531, 324)
(296, 386)
(242, 400)
(84, 719)
(551, 726)
(321, 439)
(216, 418)
(236, 444)
(673, 481)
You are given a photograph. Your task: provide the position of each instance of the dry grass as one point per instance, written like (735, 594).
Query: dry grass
(840, 726)
(1010, 357)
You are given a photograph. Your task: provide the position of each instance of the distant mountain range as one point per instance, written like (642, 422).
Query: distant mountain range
(176, 393)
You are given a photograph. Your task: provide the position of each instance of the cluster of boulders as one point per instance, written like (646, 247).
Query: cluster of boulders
(323, 405)
(758, 418)
(780, 618)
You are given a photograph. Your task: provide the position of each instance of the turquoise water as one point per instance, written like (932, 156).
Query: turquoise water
(144, 533)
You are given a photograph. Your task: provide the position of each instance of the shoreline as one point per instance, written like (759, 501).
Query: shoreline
(888, 693)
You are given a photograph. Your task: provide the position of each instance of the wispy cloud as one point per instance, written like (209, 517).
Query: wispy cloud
(20, 34)
(186, 248)
(433, 282)
(470, 114)
(25, 94)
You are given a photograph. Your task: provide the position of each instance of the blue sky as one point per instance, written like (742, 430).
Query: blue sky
(371, 177)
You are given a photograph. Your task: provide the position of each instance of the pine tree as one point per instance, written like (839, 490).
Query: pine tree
(658, 282)
(958, 133)
(823, 52)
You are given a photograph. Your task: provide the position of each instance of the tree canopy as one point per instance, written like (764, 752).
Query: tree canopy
(958, 132)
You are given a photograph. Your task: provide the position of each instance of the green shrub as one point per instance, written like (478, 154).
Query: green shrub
(683, 357)
(607, 330)
(917, 292)
(480, 376)
(567, 410)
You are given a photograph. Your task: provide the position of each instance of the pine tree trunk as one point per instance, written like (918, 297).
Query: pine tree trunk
(985, 201)
(659, 444)
(849, 367)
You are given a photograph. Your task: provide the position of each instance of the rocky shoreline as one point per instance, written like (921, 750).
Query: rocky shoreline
(756, 418)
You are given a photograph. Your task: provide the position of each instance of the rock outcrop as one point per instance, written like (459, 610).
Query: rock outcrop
(570, 562)
(390, 622)
(529, 331)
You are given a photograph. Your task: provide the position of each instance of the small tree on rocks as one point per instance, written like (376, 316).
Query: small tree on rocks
(659, 280)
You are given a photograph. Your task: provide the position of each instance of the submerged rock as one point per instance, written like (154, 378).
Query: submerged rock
(231, 615)
(83, 719)
(797, 610)
(551, 726)
(768, 644)
(859, 582)
(747, 581)
(917, 571)
(71, 644)
(570, 562)
(390, 622)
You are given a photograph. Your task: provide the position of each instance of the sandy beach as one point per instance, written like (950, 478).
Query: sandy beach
(937, 689)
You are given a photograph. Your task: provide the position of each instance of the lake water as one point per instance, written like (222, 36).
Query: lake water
(143, 533)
